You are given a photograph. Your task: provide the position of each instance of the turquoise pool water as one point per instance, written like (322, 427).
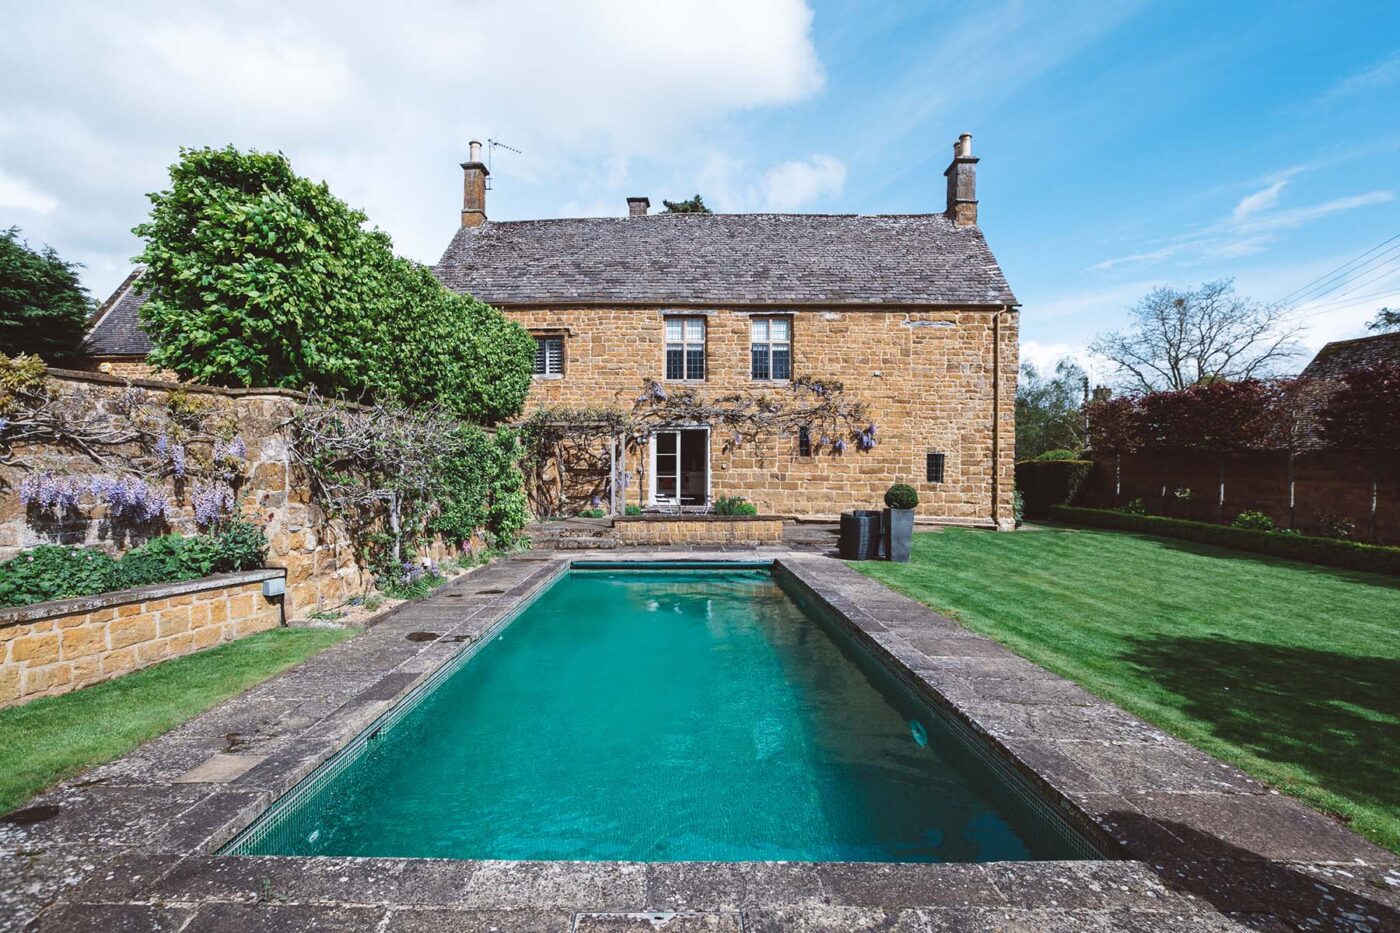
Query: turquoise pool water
(659, 716)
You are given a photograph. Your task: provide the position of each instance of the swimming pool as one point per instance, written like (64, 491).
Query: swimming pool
(675, 713)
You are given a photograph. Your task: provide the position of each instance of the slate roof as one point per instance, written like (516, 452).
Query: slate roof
(115, 330)
(1340, 357)
(706, 259)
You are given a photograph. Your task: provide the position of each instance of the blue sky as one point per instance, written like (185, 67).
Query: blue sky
(1123, 145)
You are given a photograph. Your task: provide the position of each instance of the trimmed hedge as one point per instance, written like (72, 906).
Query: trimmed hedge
(1333, 552)
(1046, 483)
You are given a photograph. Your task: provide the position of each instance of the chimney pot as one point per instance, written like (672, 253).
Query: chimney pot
(474, 174)
(638, 207)
(962, 183)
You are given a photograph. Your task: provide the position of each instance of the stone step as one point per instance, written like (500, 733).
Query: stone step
(575, 543)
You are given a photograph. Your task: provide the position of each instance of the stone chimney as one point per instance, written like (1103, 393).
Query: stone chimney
(962, 184)
(638, 207)
(474, 174)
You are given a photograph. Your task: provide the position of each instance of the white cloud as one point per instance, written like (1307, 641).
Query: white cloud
(379, 101)
(1255, 223)
(791, 185)
(1259, 200)
(16, 194)
(1382, 74)
(1298, 216)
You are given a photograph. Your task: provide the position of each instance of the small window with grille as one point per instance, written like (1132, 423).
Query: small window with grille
(804, 442)
(933, 467)
(685, 348)
(549, 356)
(770, 343)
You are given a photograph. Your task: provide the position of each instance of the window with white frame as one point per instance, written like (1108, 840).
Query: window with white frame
(685, 348)
(770, 348)
(549, 355)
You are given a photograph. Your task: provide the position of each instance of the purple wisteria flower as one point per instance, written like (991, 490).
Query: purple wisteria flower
(231, 450)
(4, 423)
(840, 445)
(172, 453)
(130, 499)
(49, 493)
(211, 501)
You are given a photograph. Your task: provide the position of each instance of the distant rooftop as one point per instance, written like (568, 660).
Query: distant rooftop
(115, 329)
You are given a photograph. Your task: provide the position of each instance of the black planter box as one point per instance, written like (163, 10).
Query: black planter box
(860, 535)
(898, 535)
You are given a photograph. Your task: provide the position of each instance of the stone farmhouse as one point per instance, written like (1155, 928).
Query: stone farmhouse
(910, 312)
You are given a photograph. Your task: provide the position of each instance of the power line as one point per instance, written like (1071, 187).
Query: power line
(1352, 278)
(1293, 297)
(1347, 298)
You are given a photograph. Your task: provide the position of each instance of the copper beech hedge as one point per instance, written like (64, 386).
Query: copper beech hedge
(1333, 552)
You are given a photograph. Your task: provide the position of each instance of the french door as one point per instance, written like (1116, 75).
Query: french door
(680, 467)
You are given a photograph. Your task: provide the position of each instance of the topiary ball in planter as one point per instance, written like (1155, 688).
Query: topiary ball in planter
(902, 496)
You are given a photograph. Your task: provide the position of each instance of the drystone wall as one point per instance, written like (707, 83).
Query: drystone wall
(315, 551)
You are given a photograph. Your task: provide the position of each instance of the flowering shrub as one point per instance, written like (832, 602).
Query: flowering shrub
(411, 581)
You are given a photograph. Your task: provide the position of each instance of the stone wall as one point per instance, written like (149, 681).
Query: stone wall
(317, 554)
(935, 381)
(55, 647)
(699, 529)
(126, 367)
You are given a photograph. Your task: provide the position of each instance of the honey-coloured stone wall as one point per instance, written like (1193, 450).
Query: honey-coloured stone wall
(935, 381)
(317, 553)
(699, 530)
(56, 647)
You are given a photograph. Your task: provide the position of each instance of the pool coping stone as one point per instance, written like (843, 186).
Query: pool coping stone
(1198, 844)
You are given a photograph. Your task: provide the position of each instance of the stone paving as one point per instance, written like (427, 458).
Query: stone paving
(131, 845)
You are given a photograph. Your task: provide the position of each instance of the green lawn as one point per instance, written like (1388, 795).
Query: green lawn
(1290, 671)
(50, 739)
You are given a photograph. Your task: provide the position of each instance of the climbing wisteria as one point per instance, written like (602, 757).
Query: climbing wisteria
(130, 499)
(212, 501)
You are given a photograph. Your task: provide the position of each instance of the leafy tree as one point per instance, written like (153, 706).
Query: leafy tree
(695, 205)
(1363, 413)
(1049, 412)
(260, 277)
(1386, 320)
(1115, 425)
(1180, 338)
(43, 306)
